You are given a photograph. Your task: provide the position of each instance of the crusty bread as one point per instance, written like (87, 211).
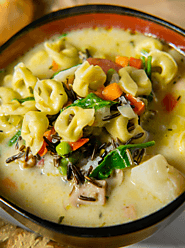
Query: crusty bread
(15, 14)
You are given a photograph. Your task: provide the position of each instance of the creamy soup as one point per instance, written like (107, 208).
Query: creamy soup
(92, 127)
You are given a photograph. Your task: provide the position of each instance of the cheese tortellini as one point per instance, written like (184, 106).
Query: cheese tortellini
(11, 106)
(23, 81)
(119, 128)
(34, 125)
(10, 124)
(7, 95)
(164, 62)
(148, 45)
(63, 53)
(88, 77)
(71, 122)
(50, 96)
(134, 81)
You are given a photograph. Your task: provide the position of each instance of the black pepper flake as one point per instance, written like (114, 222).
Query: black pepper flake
(60, 219)
(178, 98)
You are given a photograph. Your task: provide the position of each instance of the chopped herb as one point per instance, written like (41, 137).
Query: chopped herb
(149, 97)
(14, 139)
(60, 219)
(2, 70)
(144, 52)
(170, 129)
(62, 35)
(116, 159)
(24, 99)
(100, 215)
(174, 82)
(143, 62)
(149, 66)
(132, 43)
(92, 101)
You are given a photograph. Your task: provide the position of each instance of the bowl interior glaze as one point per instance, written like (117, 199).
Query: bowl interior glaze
(61, 22)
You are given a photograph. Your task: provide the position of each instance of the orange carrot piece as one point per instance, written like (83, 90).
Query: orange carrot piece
(122, 60)
(169, 102)
(99, 92)
(55, 66)
(137, 63)
(43, 150)
(139, 106)
(9, 184)
(112, 92)
(77, 144)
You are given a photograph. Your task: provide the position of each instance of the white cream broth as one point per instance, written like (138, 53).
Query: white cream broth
(43, 191)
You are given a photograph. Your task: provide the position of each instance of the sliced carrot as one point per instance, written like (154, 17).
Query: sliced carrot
(112, 92)
(122, 60)
(139, 106)
(77, 144)
(169, 102)
(137, 63)
(126, 61)
(55, 66)
(98, 92)
(9, 184)
(43, 150)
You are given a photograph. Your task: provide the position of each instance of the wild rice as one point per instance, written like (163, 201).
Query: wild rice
(137, 136)
(109, 117)
(14, 157)
(27, 153)
(77, 174)
(94, 182)
(86, 198)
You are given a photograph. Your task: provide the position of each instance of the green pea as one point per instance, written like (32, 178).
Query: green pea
(63, 148)
(63, 170)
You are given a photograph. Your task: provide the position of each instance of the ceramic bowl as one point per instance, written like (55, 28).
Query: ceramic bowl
(60, 22)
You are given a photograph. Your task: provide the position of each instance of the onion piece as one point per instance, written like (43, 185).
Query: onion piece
(127, 111)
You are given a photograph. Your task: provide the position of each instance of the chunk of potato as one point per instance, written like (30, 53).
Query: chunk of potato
(159, 178)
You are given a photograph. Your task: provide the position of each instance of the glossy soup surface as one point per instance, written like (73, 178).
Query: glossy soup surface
(40, 184)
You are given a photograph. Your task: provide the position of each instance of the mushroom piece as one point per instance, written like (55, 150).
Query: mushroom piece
(89, 193)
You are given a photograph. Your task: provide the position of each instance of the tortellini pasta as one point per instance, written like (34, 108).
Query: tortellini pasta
(148, 45)
(50, 96)
(11, 106)
(10, 123)
(71, 122)
(23, 81)
(134, 81)
(88, 77)
(34, 125)
(118, 128)
(164, 62)
(38, 62)
(63, 53)
(17, 108)
(7, 95)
